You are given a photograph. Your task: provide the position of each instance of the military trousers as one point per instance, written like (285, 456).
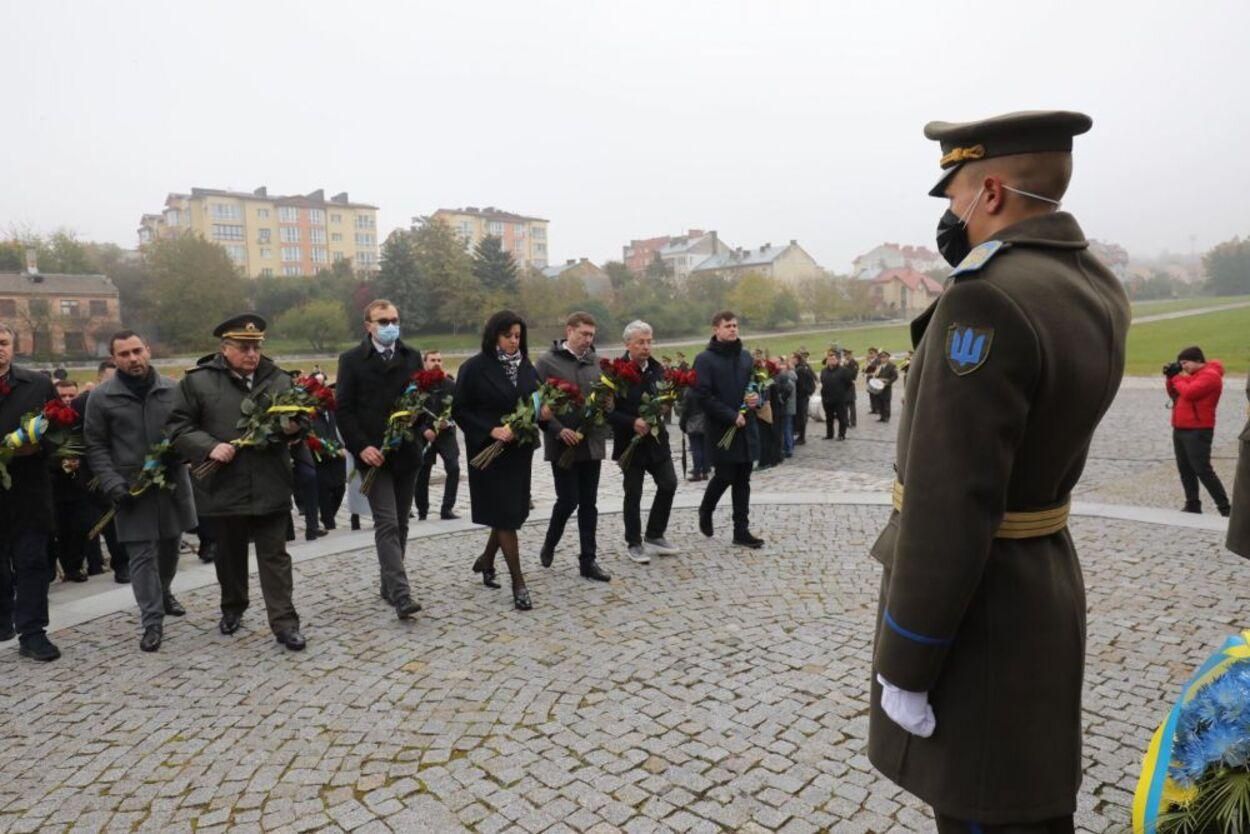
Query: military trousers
(950, 825)
(1193, 461)
(231, 533)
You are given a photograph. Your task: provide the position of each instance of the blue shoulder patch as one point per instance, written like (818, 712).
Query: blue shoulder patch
(978, 257)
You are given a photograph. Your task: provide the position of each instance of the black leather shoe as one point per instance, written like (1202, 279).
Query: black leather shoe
(292, 639)
(122, 575)
(330, 525)
(421, 516)
(1192, 507)
(229, 624)
(76, 576)
(39, 647)
(173, 607)
(151, 639)
(705, 523)
(7, 633)
(521, 600)
(355, 522)
(95, 571)
(207, 552)
(747, 540)
(591, 570)
(488, 576)
(448, 516)
(1226, 511)
(547, 556)
(406, 607)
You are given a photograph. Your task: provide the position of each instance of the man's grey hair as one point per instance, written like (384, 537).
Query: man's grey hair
(636, 328)
(4, 328)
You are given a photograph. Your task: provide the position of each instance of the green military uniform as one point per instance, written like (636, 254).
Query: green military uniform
(982, 601)
(249, 497)
(1239, 520)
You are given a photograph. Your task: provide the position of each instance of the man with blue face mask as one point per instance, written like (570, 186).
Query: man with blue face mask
(980, 638)
(371, 377)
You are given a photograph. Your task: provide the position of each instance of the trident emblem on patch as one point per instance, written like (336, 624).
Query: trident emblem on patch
(967, 348)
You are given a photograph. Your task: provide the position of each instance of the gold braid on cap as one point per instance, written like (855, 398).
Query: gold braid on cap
(962, 155)
(249, 333)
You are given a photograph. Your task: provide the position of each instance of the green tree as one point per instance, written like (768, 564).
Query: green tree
(1228, 267)
(752, 298)
(493, 267)
(618, 274)
(785, 307)
(449, 289)
(400, 280)
(320, 323)
(193, 286)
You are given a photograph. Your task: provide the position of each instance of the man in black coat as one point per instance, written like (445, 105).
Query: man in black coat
(724, 373)
(73, 507)
(371, 377)
(331, 466)
(119, 559)
(25, 512)
(442, 444)
(887, 372)
(804, 387)
(651, 456)
(836, 384)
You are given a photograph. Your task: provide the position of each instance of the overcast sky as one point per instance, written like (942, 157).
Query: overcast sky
(764, 120)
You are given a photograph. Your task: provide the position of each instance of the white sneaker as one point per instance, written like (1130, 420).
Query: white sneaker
(661, 547)
(639, 555)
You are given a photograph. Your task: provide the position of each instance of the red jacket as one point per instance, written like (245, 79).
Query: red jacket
(1194, 398)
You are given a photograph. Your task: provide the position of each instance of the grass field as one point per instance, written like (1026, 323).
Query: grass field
(1224, 335)
(1173, 305)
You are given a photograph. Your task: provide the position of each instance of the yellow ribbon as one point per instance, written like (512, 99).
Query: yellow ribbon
(399, 415)
(290, 409)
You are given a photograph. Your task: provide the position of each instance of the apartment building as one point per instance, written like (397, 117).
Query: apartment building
(525, 237)
(268, 234)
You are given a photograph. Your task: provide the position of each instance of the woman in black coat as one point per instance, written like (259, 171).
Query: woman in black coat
(488, 388)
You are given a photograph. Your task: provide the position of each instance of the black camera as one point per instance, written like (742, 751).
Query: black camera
(1172, 369)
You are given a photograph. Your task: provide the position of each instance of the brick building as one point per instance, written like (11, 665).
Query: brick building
(60, 315)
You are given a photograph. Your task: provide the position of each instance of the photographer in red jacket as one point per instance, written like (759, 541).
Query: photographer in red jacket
(1195, 385)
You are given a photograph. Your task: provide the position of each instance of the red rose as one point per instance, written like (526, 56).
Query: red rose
(59, 414)
(429, 380)
(314, 443)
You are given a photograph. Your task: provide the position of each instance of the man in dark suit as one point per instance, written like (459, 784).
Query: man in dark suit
(371, 377)
(25, 512)
(442, 444)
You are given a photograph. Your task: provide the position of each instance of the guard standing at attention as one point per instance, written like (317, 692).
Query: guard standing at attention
(980, 641)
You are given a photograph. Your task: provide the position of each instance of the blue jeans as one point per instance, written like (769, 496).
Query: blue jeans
(787, 435)
(698, 452)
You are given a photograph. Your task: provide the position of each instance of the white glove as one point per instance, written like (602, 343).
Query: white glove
(909, 710)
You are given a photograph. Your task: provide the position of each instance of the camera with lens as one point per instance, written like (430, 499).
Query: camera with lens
(1172, 369)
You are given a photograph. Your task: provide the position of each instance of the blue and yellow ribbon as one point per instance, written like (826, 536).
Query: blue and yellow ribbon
(28, 433)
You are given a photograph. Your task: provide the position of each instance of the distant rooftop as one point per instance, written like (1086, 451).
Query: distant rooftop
(24, 283)
(492, 213)
(314, 199)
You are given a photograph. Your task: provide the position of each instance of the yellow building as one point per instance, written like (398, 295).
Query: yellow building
(272, 235)
(524, 237)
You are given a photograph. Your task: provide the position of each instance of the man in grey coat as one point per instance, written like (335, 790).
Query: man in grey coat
(125, 418)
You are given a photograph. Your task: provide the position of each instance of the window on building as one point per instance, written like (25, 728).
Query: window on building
(366, 258)
(317, 234)
(225, 211)
(466, 229)
(538, 233)
(237, 253)
(69, 307)
(364, 221)
(38, 308)
(317, 217)
(336, 218)
(262, 213)
(145, 235)
(75, 343)
(336, 237)
(289, 234)
(320, 255)
(540, 248)
(495, 228)
(8, 308)
(264, 236)
(99, 308)
(365, 239)
(339, 256)
(290, 253)
(224, 232)
(172, 217)
(266, 252)
(288, 214)
(291, 270)
(518, 230)
(267, 272)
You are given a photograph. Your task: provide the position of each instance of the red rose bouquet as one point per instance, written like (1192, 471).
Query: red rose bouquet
(266, 419)
(401, 424)
(654, 407)
(615, 375)
(57, 426)
(555, 394)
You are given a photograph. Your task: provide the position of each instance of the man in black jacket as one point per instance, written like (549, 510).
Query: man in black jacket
(25, 512)
(248, 497)
(442, 444)
(73, 507)
(651, 456)
(836, 384)
(119, 559)
(887, 372)
(371, 377)
(724, 373)
(805, 386)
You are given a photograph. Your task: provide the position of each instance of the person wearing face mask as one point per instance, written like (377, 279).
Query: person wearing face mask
(371, 377)
(1015, 365)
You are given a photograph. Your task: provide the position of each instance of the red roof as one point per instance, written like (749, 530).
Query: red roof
(912, 279)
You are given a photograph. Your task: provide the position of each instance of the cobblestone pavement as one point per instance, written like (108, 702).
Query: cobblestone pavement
(719, 690)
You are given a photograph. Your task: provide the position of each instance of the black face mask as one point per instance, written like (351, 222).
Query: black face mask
(952, 238)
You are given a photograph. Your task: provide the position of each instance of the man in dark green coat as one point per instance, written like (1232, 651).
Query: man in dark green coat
(248, 497)
(1239, 520)
(980, 642)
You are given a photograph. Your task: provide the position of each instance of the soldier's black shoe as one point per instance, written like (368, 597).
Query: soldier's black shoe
(292, 639)
(173, 607)
(229, 624)
(121, 575)
(76, 576)
(591, 570)
(7, 633)
(355, 521)
(406, 607)
(448, 515)
(421, 516)
(151, 639)
(705, 523)
(547, 556)
(747, 540)
(1192, 507)
(95, 571)
(1226, 511)
(39, 647)
(207, 551)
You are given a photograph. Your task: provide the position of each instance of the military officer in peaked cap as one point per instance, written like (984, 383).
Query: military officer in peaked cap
(248, 497)
(980, 640)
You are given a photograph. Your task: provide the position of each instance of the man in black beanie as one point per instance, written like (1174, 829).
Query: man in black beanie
(1195, 385)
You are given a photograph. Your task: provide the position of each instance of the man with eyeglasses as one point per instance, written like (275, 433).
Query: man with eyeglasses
(371, 377)
(248, 497)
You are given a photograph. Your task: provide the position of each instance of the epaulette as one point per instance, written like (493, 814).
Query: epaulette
(978, 258)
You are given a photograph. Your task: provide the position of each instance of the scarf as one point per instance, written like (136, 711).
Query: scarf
(511, 364)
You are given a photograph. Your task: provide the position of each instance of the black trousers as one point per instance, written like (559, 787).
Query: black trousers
(850, 411)
(1193, 461)
(883, 403)
(950, 825)
(232, 534)
(444, 446)
(738, 477)
(577, 488)
(73, 521)
(665, 477)
(118, 558)
(835, 412)
(329, 498)
(800, 418)
(873, 403)
(306, 495)
(24, 577)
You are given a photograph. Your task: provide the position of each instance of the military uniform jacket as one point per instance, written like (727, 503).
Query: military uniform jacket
(1239, 521)
(207, 410)
(1015, 365)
